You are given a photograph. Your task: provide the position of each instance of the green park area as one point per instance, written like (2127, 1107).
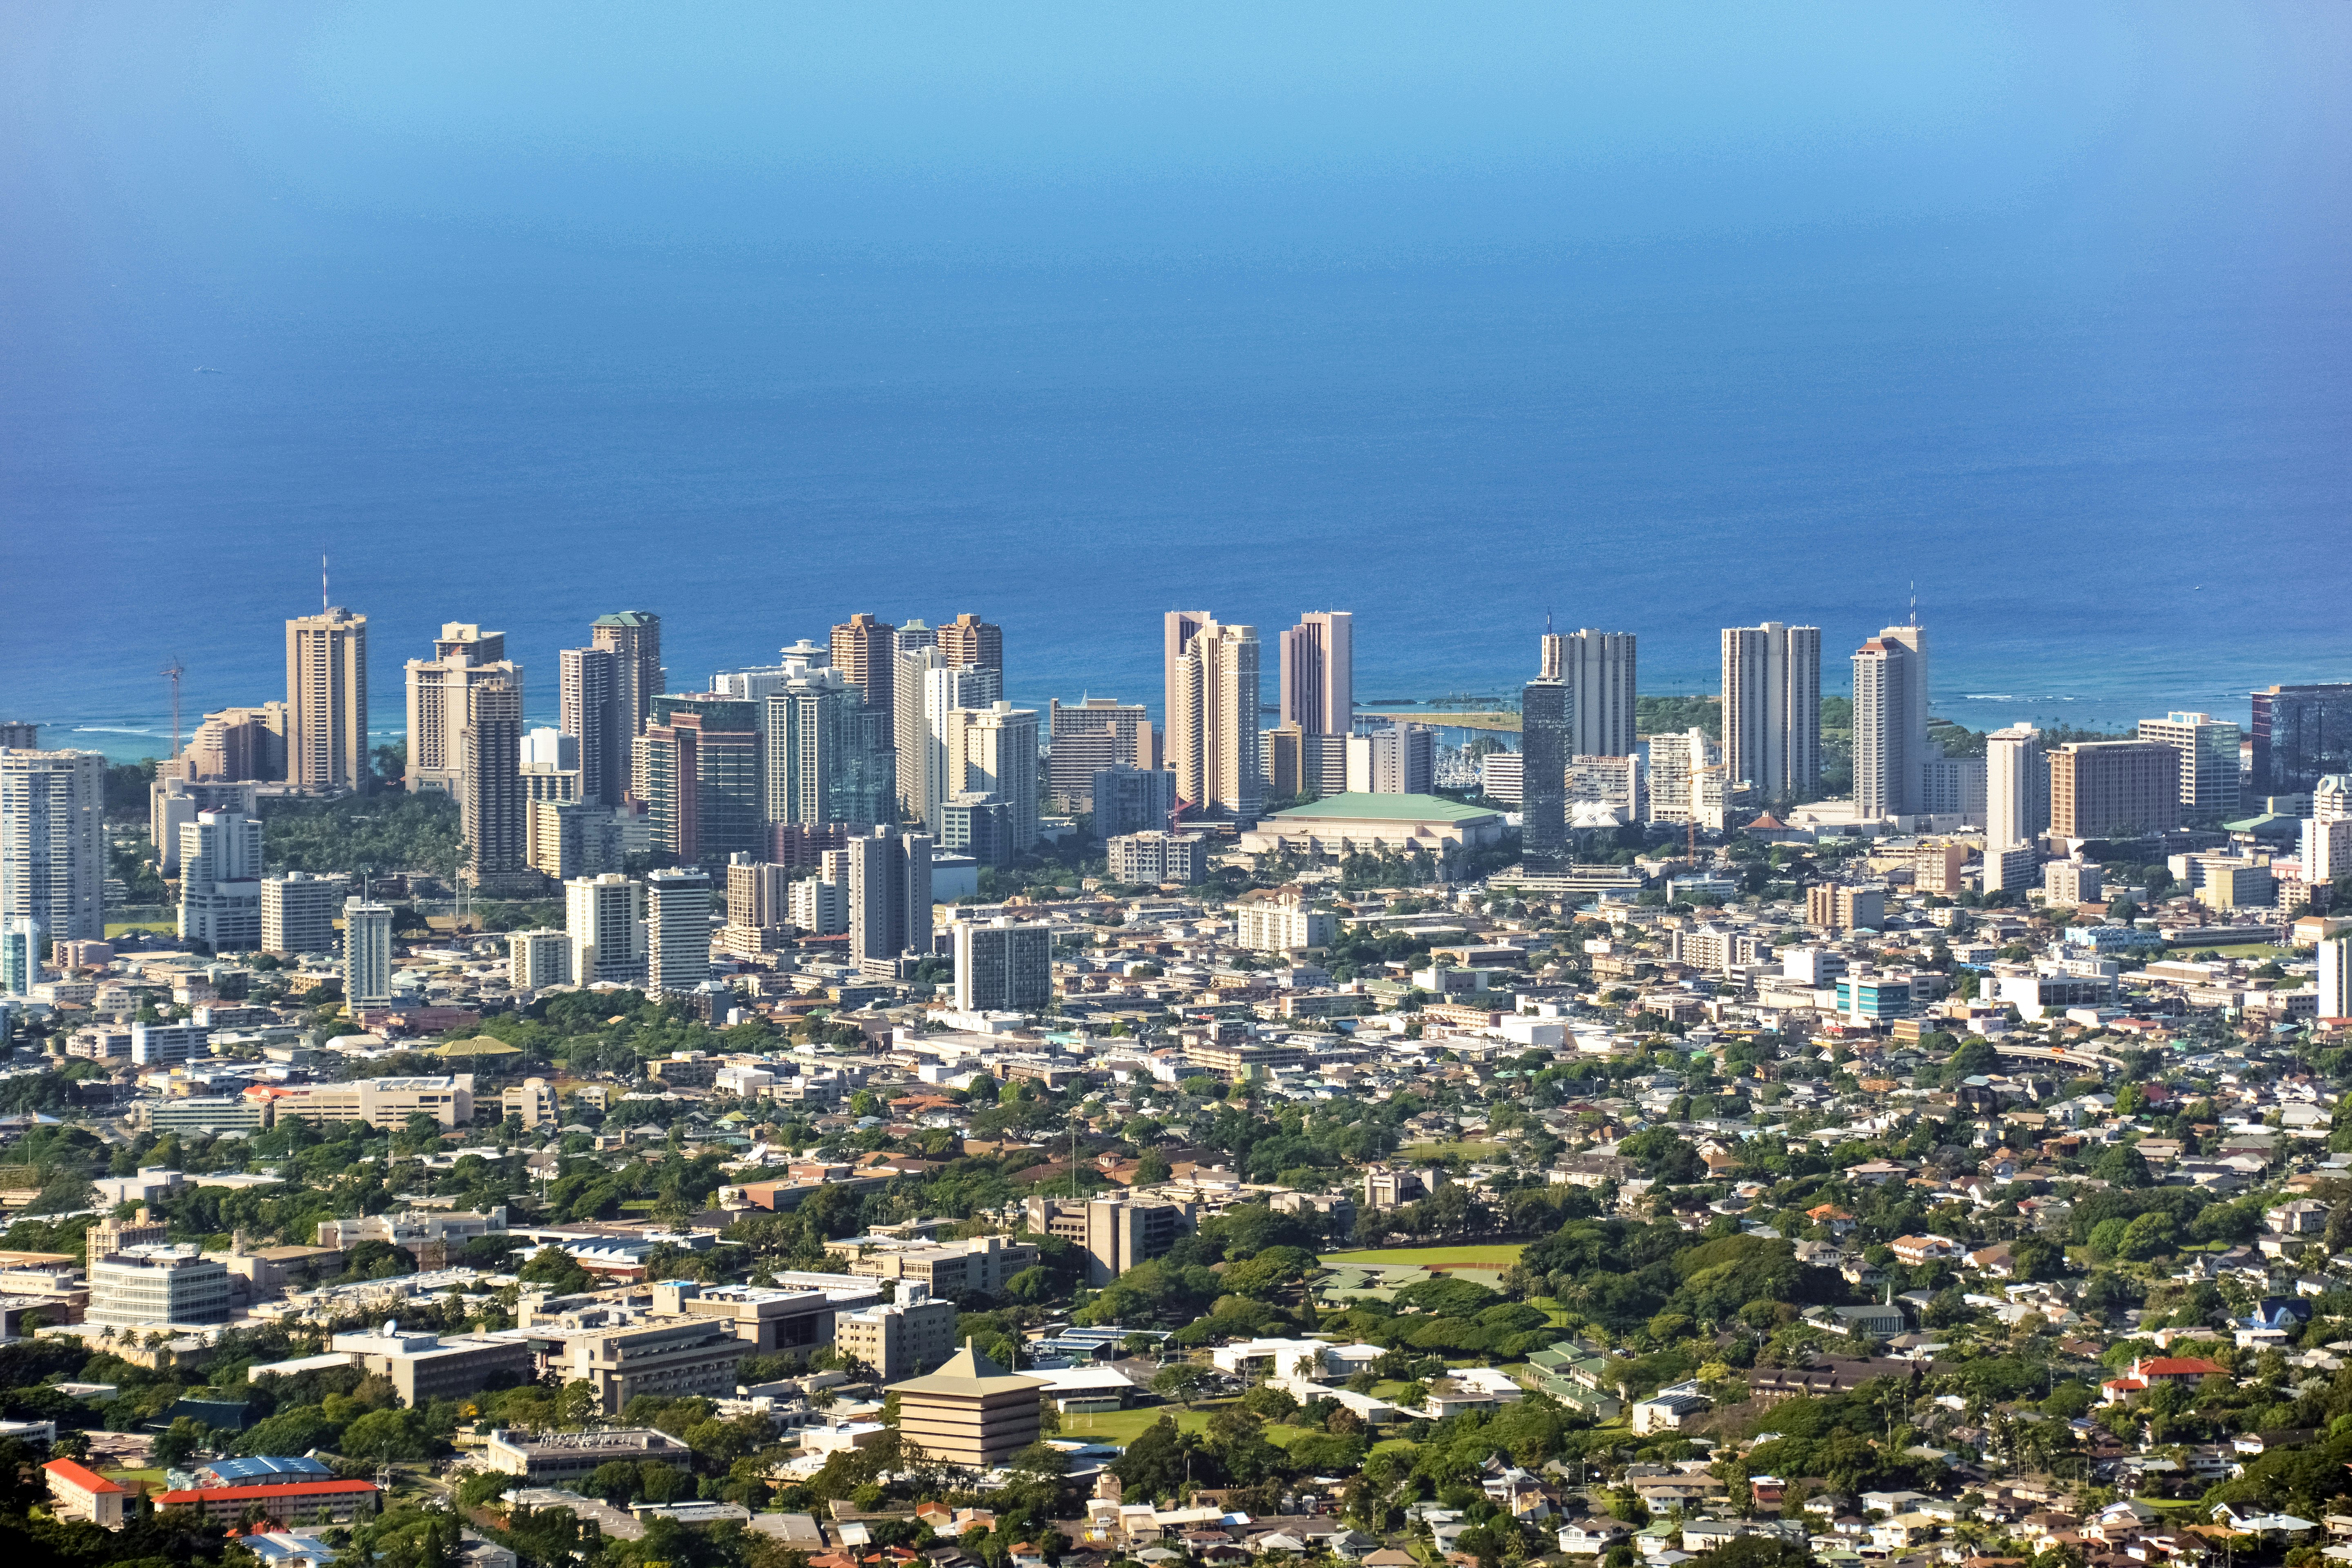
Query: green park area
(1501, 1256)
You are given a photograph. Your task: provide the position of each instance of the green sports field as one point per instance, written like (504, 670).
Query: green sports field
(1501, 1256)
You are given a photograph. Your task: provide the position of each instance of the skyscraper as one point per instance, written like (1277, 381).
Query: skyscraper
(1404, 760)
(1099, 732)
(993, 750)
(1213, 704)
(20, 952)
(698, 771)
(53, 843)
(826, 758)
(604, 916)
(633, 639)
(1598, 669)
(889, 895)
(863, 650)
(492, 807)
(1890, 724)
(1319, 673)
(969, 640)
(1772, 706)
(220, 882)
(2099, 788)
(2335, 977)
(590, 709)
(1543, 751)
(947, 689)
(2300, 734)
(1004, 967)
(677, 931)
(2016, 788)
(464, 657)
(327, 702)
(367, 953)
(2209, 760)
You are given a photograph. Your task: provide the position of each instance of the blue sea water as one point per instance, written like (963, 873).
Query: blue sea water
(2094, 416)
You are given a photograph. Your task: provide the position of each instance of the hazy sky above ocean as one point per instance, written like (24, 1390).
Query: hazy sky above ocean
(1655, 318)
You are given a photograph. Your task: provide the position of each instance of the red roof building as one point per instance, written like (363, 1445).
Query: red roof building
(78, 1492)
(288, 1503)
(2149, 1371)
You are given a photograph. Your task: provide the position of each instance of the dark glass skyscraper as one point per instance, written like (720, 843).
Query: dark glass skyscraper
(1543, 750)
(2300, 734)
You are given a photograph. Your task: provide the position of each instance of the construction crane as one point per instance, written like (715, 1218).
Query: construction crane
(172, 672)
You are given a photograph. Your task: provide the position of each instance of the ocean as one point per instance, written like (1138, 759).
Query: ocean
(2105, 455)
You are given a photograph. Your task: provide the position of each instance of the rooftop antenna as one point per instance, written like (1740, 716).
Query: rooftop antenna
(1915, 601)
(322, 582)
(172, 672)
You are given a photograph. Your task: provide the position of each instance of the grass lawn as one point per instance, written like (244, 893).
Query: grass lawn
(1467, 1151)
(116, 928)
(1498, 1257)
(133, 1477)
(1127, 1426)
(2242, 950)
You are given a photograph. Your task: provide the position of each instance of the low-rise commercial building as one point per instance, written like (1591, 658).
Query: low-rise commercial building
(283, 1504)
(552, 1458)
(797, 1314)
(1118, 1232)
(1281, 920)
(695, 1358)
(900, 1338)
(142, 1287)
(385, 1102)
(425, 1367)
(1153, 857)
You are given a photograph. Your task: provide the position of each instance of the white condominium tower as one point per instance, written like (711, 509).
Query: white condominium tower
(52, 841)
(604, 916)
(1772, 706)
(1597, 668)
(1212, 699)
(2017, 787)
(367, 953)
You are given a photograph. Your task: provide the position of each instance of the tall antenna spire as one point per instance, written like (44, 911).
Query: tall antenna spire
(1915, 601)
(172, 672)
(322, 582)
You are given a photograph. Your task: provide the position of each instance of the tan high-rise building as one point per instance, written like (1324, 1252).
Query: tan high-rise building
(1212, 710)
(863, 650)
(464, 657)
(1319, 673)
(327, 702)
(970, 641)
(237, 744)
(993, 750)
(1890, 724)
(633, 638)
(2099, 788)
